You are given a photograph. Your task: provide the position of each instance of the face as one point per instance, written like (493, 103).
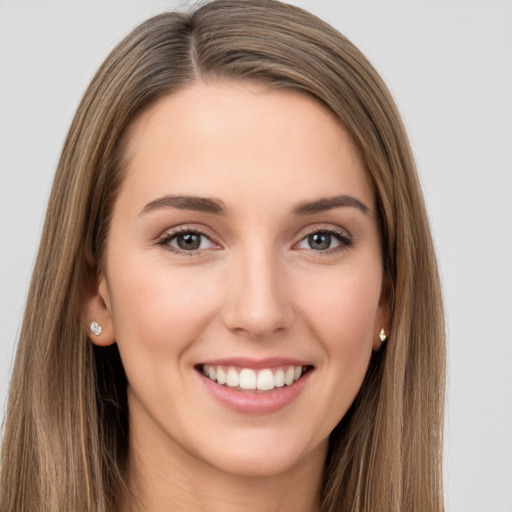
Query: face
(243, 278)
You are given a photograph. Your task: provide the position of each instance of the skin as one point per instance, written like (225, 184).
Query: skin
(255, 288)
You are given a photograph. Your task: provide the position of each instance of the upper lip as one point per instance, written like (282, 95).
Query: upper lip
(255, 364)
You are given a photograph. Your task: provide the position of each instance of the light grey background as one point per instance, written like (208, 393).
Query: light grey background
(449, 66)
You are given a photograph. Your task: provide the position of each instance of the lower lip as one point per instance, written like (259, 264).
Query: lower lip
(253, 402)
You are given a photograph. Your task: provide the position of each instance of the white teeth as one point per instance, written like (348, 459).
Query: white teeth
(265, 380)
(221, 376)
(279, 379)
(288, 378)
(247, 378)
(232, 378)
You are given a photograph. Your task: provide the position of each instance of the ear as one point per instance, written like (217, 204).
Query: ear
(383, 317)
(96, 308)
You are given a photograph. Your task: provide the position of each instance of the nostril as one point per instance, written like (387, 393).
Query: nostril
(258, 321)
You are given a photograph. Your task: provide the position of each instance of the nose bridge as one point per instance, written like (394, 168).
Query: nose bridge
(258, 300)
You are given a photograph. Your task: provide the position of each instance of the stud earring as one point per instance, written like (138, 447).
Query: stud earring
(383, 336)
(95, 328)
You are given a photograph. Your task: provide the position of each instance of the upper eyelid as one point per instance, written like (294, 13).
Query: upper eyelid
(184, 228)
(326, 228)
(171, 233)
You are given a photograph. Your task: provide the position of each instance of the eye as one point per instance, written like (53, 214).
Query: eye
(187, 240)
(325, 241)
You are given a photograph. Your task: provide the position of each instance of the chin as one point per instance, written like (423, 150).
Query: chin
(259, 456)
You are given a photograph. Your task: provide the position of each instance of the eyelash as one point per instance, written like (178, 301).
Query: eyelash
(345, 240)
(183, 230)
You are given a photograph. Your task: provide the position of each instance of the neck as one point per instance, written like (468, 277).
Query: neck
(165, 480)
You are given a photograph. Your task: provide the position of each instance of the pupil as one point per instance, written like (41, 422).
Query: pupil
(189, 242)
(319, 241)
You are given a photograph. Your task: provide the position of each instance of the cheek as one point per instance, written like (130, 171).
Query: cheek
(343, 307)
(340, 309)
(157, 311)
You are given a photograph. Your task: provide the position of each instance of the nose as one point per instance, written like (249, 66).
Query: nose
(258, 300)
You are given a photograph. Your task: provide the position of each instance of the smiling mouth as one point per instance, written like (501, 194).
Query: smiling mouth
(251, 380)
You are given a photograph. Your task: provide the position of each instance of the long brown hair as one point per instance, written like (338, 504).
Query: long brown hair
(66, 429)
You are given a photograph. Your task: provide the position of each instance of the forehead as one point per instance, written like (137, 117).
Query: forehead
(244, 139)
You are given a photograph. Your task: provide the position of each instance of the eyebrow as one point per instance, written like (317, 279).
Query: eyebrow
(325, 204)
(217, 207)
(194, 203)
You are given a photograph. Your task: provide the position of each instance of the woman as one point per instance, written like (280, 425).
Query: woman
(241, 302)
